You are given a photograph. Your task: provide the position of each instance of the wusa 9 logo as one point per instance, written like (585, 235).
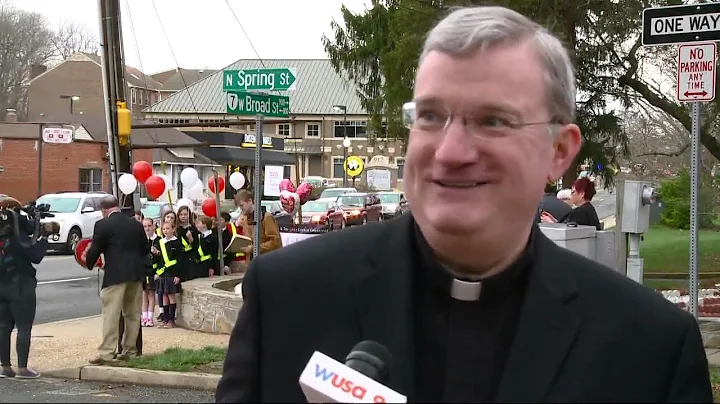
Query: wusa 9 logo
(345, 384)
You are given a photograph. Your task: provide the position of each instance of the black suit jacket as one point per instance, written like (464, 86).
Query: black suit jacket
(585, 333)
(125, 245)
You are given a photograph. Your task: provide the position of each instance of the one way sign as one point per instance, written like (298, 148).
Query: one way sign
(696, 72)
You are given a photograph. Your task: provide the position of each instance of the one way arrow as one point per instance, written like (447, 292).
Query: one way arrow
(701, 94)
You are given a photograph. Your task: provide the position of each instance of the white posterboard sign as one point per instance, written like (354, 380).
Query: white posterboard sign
(290, 238)
(379, 179)
(273, 176)
(57, 135)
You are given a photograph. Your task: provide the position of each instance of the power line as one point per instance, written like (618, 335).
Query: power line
(182, 77)
(245, 33)
(137, 52)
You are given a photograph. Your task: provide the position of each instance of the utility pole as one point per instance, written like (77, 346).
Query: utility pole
(118, 118)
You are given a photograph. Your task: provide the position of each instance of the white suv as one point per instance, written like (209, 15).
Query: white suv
(76, 212)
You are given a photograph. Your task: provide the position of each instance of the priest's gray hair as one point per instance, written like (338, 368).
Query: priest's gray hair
(466, 30)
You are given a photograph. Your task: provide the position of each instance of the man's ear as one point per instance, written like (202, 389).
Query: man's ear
(566, 146)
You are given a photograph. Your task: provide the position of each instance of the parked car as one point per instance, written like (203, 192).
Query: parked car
(318, 181)
(324, 215)
(332, 194)
(76, 213)
(152, 210)
(274, 207)
(360, 208)
(393, 204)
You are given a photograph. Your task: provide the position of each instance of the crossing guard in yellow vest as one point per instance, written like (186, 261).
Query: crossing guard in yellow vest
(168, 275)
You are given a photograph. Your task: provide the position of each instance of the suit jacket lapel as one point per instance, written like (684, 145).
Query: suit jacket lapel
(546, 330)
(384, 296)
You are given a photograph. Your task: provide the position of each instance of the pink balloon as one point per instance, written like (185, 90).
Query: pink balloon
(290, 201)
(287, 185)
(304, 190)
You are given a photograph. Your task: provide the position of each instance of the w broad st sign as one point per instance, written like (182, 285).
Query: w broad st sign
(270, 105)
(681, 24)
(696, 72)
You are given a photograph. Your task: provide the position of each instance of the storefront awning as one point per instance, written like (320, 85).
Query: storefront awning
(245, 156)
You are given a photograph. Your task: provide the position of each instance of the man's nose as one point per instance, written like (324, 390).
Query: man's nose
(456, 147)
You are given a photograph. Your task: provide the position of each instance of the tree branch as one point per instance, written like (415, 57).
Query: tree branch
(667, 154)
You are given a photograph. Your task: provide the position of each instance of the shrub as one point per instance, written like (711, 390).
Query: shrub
(674, 192)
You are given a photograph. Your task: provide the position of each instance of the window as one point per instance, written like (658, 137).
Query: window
(353, 129)
(90, 180)
(283, 129)
(312, 130)
(250, 128)
(338, 169)
(401, 167)
(174, 120)
(133, 94)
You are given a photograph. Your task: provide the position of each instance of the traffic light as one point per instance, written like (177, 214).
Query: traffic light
(124, 120)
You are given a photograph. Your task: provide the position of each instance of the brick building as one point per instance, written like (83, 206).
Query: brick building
(79, 166)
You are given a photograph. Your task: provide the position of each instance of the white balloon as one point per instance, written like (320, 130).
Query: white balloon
(168, 183)
(196, 192)
(237, 180)
(186, 202)
(188, 177)
(127, 184)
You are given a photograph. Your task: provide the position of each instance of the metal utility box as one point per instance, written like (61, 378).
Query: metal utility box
(638, 198)
(580, 239)
(605, 248)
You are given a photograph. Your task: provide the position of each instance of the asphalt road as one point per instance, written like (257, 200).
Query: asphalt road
(47, 390)
(604, 203)
(65, 290)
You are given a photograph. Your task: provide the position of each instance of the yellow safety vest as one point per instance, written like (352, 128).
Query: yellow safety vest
(158, 231)
(203, 256)
(234, 232)
(168, 262)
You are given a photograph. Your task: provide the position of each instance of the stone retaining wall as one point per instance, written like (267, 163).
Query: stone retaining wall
(205, 307)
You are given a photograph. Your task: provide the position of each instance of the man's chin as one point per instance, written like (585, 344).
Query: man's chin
(454, 222)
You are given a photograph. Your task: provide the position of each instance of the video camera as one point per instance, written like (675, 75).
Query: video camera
(16, 220)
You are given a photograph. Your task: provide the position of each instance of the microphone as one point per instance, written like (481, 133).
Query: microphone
(359, 380)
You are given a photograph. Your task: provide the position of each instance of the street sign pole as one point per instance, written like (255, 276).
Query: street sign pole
(259, 120)
(694, 206)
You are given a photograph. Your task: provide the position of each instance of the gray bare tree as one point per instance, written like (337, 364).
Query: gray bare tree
(26, 40)
(71, 38)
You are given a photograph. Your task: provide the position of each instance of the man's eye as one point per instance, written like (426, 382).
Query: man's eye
(494, 122)
(428, 116)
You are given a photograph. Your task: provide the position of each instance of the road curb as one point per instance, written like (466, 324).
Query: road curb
(70, 320)
(146, 377)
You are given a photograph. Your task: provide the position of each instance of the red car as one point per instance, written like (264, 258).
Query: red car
(361, 208)
(322, 215)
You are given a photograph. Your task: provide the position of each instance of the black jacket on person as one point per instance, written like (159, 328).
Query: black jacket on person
(585, 333)
(18, 260)
(554, 206)
(123, 242)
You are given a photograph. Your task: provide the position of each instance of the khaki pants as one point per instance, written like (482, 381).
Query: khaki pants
(124, 300)
(238, 267)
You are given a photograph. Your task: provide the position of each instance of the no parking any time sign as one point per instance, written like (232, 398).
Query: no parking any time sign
(696, 72)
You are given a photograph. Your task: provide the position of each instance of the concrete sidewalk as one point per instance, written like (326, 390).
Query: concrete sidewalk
(72, 343)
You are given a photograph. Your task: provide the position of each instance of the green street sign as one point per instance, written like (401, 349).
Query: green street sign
(243, 103)
(259, 80)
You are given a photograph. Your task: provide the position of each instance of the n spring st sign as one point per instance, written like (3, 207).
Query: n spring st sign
(259, 80)
(242, 103)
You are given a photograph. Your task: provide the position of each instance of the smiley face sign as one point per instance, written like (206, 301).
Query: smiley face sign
(354, 166)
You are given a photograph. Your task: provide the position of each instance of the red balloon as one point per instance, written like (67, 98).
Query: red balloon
(155, 186)
(142, 170)
(211, 184)
(209, 208)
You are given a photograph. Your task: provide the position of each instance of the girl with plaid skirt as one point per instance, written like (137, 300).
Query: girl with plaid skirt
(172, 260)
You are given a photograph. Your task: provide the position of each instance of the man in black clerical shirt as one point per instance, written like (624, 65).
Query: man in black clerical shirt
(473, 302)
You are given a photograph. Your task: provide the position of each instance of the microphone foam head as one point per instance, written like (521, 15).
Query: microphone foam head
(371, 359)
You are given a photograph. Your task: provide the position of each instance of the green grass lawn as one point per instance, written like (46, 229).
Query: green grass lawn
(715, 380)
(181, 360)
(668, 250)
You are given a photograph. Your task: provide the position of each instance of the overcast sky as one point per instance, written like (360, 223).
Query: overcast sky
(204, 34)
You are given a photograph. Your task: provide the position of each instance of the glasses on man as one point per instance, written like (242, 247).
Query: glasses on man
(435, 119)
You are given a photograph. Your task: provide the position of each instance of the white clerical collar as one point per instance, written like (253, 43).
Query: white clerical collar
(465, 291)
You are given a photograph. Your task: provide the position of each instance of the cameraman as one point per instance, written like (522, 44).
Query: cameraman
(17, 291)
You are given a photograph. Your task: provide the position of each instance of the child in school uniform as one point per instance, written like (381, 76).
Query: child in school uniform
(168, 275)
(169, 217)
(188, 235)
(207, 261)
(148, 297)
(236, 262)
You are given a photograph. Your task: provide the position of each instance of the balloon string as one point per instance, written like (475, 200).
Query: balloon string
(162, 167)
